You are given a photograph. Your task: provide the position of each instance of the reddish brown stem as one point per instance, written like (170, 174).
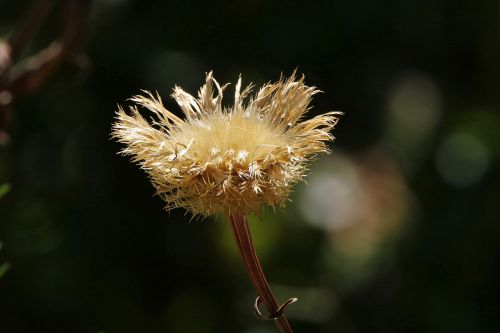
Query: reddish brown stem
(243, 239)
(28, 26)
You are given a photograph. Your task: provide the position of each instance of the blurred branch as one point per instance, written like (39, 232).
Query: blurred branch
(21, 77)
(28, 26)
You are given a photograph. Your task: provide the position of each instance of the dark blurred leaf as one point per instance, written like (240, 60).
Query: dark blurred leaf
(4, 189)
(4, 268)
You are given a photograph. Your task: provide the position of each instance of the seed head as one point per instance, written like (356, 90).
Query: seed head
(226, 160)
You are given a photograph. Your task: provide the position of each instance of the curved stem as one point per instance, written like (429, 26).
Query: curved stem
(243, 239)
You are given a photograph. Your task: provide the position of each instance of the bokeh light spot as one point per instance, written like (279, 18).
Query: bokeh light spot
(414, 111)
(462, 160)
(329, 200)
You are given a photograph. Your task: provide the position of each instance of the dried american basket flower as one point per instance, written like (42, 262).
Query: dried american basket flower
(226, 160)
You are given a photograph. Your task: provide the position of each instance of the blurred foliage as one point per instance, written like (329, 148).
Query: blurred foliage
(4, 189)
(4, 267)
(397, 231)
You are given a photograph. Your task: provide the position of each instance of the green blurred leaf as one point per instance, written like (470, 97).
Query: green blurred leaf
(4, 268)
(4, 189)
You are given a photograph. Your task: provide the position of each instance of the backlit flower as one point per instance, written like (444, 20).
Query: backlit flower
(226, 159)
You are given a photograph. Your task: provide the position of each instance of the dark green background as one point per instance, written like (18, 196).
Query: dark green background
(91, 249)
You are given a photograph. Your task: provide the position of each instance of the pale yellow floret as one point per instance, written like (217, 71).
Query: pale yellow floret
(226, 160)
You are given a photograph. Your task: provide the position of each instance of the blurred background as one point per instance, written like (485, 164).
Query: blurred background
(396, 231)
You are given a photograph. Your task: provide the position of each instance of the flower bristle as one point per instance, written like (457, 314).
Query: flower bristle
(226, 160)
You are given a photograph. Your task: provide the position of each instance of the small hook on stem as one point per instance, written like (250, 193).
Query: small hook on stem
(277, 314)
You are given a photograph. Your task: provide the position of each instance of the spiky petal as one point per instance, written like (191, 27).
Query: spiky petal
(219, 160)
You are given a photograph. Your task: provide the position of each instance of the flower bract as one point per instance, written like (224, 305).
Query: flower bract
(218, 159)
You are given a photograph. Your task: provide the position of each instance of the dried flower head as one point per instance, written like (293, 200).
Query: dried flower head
(226, 160)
